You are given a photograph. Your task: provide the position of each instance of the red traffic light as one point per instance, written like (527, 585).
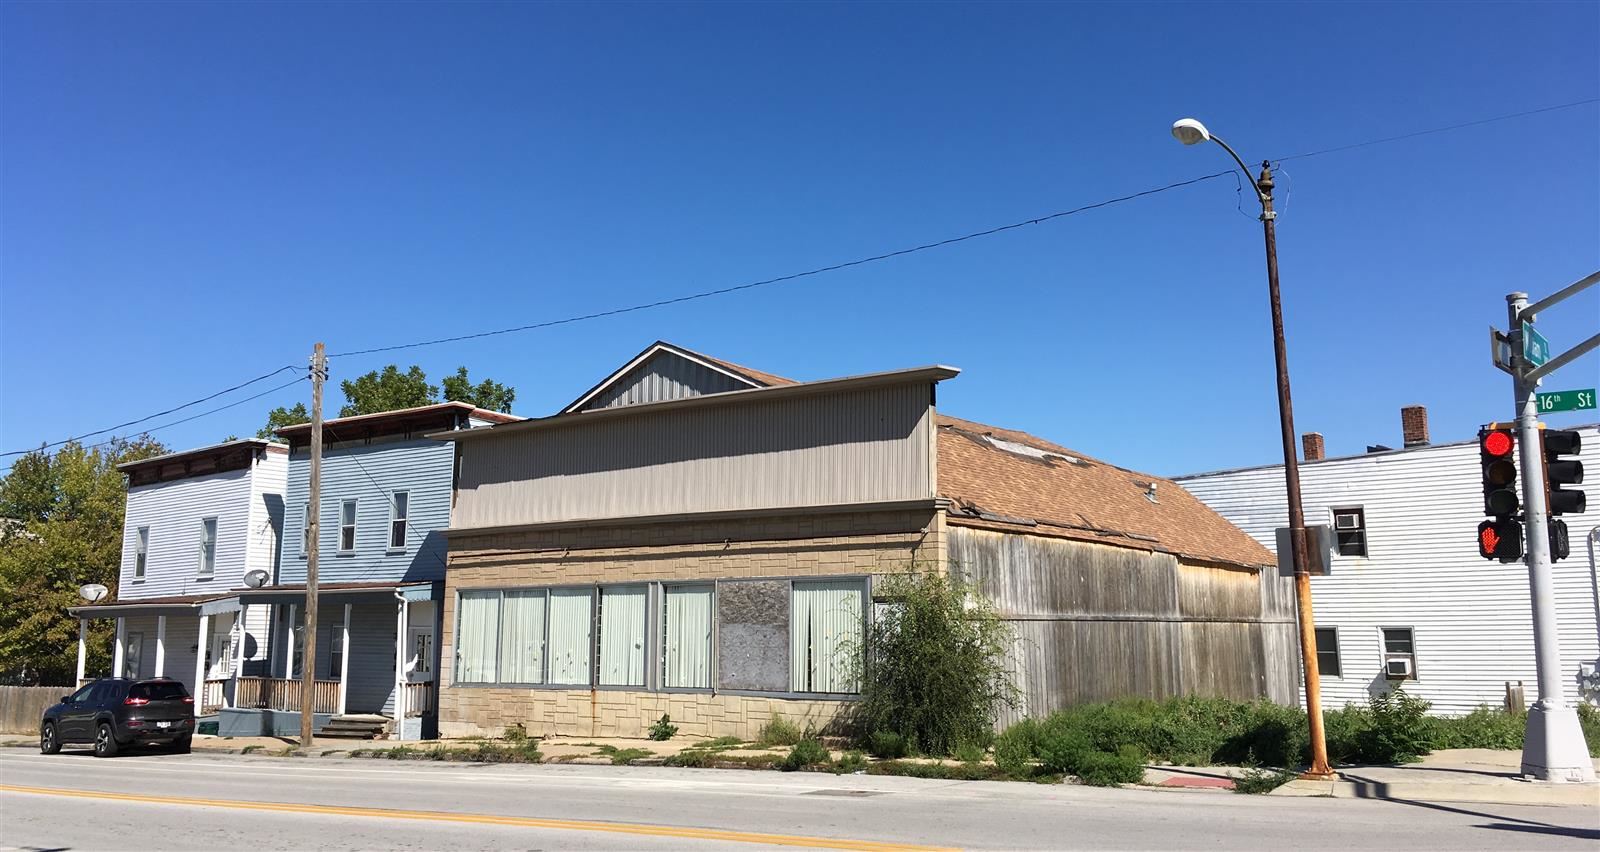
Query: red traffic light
(1496, 443)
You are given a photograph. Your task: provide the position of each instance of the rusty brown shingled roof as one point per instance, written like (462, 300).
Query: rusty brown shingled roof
(1069, 495)
(756, 376)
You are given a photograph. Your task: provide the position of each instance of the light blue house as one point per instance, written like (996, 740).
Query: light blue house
(385, 504)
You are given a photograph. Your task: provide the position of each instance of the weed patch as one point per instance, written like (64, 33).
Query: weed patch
(663, 729)
(623, 756)
(779, 731)
(1257, 782)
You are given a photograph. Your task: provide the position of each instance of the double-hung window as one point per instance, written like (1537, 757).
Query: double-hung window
(208, 547)
(825, 635)
(1399, 653)
(305, 528)
(1328, 652)
(686, 637)
(399, 513)
(347, 526)
(1350, 531)
(141, 553)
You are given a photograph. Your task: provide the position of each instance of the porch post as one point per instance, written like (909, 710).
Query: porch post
(288, 645)
(400, 667)
(161, 646)
(344, 660)
(119, 653)
(83, 649)
(200, 648)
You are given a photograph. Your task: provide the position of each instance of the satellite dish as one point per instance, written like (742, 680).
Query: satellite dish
(256, 578)
(93, 593)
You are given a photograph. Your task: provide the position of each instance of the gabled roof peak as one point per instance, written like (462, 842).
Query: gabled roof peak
(739, 377)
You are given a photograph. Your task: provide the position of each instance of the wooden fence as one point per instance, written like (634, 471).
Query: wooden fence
(21, 706)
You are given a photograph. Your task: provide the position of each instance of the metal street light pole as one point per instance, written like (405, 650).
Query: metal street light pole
(1188, 131)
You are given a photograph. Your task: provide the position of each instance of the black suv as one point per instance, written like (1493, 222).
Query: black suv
(115, 712)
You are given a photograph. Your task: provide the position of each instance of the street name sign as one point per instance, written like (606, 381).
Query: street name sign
(1572, 400)
(1535, 349)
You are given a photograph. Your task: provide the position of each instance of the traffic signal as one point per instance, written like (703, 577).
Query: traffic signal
(1560, 471)
(1500, 537)
(1560, 544)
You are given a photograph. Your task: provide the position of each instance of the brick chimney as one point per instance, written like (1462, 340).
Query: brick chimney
(1311, 444)
(1414, 425)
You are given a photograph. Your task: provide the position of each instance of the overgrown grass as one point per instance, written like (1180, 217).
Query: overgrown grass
(623, 756)
(1261, 781)
(525, 751)
(945, 771)
(807, 753)
(779, 731)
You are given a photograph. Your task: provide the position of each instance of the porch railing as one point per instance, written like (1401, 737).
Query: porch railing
(276, 693)
(419, 698)
(211, 696)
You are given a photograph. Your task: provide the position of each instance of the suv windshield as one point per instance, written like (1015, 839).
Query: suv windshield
(167, 691)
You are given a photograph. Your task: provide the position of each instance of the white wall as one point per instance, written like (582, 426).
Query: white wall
(1471, 617)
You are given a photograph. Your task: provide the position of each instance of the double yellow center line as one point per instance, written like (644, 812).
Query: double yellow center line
(487, 819)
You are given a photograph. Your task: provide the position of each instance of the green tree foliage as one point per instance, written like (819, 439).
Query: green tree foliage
(63, 529)
(283, 416)
(487, 394)
(388, 390)
(936, 668)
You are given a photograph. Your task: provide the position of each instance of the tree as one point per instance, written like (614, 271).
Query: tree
(280, 417)
(487, 394)
(64, 530)
(387, 391)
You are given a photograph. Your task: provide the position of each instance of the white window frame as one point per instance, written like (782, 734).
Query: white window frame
(207, 567)
(305, 528)
(398, 517)
(354, 514)
(1386, 655)
(1363, 529)
(141, 553)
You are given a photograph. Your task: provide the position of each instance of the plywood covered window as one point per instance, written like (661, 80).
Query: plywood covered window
(826, 635)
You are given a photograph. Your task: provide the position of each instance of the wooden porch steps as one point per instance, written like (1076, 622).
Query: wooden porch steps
(355, 727)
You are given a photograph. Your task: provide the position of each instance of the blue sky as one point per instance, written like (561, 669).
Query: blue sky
(192, 194)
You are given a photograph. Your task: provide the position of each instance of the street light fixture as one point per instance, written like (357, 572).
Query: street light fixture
(1190, 131)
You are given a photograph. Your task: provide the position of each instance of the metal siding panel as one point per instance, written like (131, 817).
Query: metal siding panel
(854, 447)
(665, 377)
(369, 473)
(1471, 617)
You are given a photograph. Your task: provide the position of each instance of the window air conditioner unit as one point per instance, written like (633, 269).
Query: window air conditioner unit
(1345, 521)
(1397, 668)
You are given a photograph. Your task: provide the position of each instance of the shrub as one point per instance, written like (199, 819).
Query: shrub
(887, 744)
(938, 668)
(1485, 727)
(1400, 728)
(1107, 769)
(1589, 720)
(849, 762)
(1260, 781)
(663, 729)
(969, 753)
(807, 752)
(1016, 748)
(780, 731)
(515, 733)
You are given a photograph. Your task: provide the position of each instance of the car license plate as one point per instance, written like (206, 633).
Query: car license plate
(163, 724)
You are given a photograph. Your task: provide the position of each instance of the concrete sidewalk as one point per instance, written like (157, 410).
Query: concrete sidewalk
(1453, 775)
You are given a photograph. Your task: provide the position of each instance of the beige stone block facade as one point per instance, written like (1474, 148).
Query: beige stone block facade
(781, 545)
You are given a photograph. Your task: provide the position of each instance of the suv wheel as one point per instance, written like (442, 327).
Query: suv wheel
(105, 741)
(48, 742)
(182, 745)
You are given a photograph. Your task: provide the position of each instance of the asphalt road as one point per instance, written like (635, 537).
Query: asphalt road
(170, 802)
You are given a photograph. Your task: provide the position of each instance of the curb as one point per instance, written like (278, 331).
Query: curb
(1514, 793)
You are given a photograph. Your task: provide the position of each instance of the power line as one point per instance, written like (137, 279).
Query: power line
(205, 413)
(1444, 129)
(705, 294)
(206, 398)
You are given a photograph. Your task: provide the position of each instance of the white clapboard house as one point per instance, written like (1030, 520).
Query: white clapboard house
(1409, 601)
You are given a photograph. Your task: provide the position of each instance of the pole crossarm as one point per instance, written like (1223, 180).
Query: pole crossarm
(1564, 358)
(1527, 314)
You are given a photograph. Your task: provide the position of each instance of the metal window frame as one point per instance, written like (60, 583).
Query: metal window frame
(661, 636)
(866, 610)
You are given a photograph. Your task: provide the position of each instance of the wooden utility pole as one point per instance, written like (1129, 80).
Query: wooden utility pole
(308, 664)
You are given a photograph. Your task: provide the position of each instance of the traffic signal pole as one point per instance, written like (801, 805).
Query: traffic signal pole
(1554, 748)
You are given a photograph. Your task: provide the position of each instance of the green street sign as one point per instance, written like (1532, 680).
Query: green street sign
(1572, 400)
(1535, 349)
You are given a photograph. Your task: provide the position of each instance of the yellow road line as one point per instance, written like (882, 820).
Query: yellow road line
(487, 819)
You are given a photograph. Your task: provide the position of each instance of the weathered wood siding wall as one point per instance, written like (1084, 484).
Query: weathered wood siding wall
(1095, 622)
(22, 706)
